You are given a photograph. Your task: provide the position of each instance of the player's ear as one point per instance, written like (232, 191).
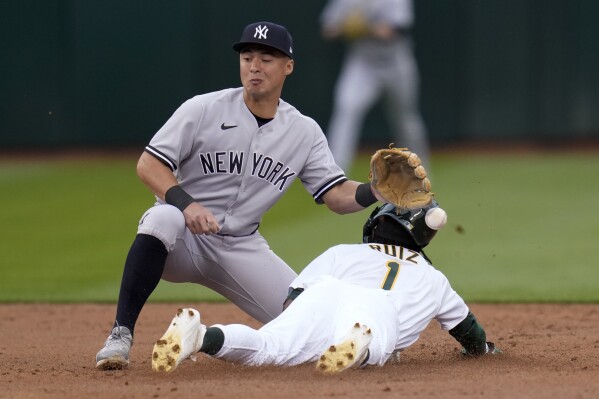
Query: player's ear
(289, 67)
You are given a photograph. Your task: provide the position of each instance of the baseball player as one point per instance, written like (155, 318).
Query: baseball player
(216, 166)
(354, 305)
(379, 61)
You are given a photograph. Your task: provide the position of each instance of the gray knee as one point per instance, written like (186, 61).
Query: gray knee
(164, 222)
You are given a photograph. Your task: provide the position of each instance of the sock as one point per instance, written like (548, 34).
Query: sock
(143, 269)
(213, 341)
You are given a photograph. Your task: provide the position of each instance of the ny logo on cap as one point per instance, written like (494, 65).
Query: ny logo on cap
(261, 32)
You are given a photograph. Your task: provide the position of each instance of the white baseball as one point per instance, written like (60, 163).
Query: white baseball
(435, 218)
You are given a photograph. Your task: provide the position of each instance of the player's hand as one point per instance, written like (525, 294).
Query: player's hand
(330, 33)
(382, 31)
(490, 349)
(199, 220)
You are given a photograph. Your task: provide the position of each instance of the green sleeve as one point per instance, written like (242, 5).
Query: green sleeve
(471, 335)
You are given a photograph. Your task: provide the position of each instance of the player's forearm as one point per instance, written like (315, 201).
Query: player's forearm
(155, 175)
(341, 199)
(350, 196)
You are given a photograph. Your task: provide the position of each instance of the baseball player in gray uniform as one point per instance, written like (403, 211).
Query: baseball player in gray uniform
(379, 61)
(216, 166)
(353, 305)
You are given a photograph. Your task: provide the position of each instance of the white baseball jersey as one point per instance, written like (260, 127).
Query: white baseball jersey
(420, 292)
(236, 169)
(392, 290)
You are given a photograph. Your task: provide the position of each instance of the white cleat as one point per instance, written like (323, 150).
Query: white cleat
(182, 339)
(351, 351)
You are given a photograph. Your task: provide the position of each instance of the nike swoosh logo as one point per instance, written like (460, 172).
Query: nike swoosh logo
(225, 127)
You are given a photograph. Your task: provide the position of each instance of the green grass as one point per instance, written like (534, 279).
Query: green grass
(529, 222)
(521, 228)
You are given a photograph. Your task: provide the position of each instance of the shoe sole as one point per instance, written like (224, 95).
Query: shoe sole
(168, 349)
(351, 351)
(113, 363)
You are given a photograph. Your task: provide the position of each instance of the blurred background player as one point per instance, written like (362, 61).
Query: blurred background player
(364, 302)
(379, 61)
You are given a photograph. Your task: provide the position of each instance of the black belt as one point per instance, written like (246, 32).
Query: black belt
(245, 235)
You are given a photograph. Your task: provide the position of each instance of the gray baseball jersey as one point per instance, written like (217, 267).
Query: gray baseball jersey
(237, 170)
(227, 163)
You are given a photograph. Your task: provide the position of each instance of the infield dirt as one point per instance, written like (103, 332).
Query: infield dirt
(550, 351)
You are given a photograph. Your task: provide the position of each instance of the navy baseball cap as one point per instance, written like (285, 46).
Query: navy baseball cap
(268, 34)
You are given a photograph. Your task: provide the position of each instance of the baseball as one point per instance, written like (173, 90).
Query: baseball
(435, 218)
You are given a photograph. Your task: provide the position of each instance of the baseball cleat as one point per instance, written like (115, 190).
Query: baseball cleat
(115, 353)
(351, 351)
(182, 339)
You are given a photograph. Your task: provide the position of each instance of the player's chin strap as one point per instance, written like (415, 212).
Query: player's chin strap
(424, 256)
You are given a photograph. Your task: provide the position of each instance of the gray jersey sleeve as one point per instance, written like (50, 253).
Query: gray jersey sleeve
(320, 172)
(172, 144)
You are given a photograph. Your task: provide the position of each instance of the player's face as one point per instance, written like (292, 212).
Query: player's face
(263, 71)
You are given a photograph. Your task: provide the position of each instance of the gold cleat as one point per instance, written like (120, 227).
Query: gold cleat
(182, 339)
(351, 351)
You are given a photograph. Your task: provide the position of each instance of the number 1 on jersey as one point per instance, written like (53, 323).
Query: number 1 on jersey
(391, 276)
